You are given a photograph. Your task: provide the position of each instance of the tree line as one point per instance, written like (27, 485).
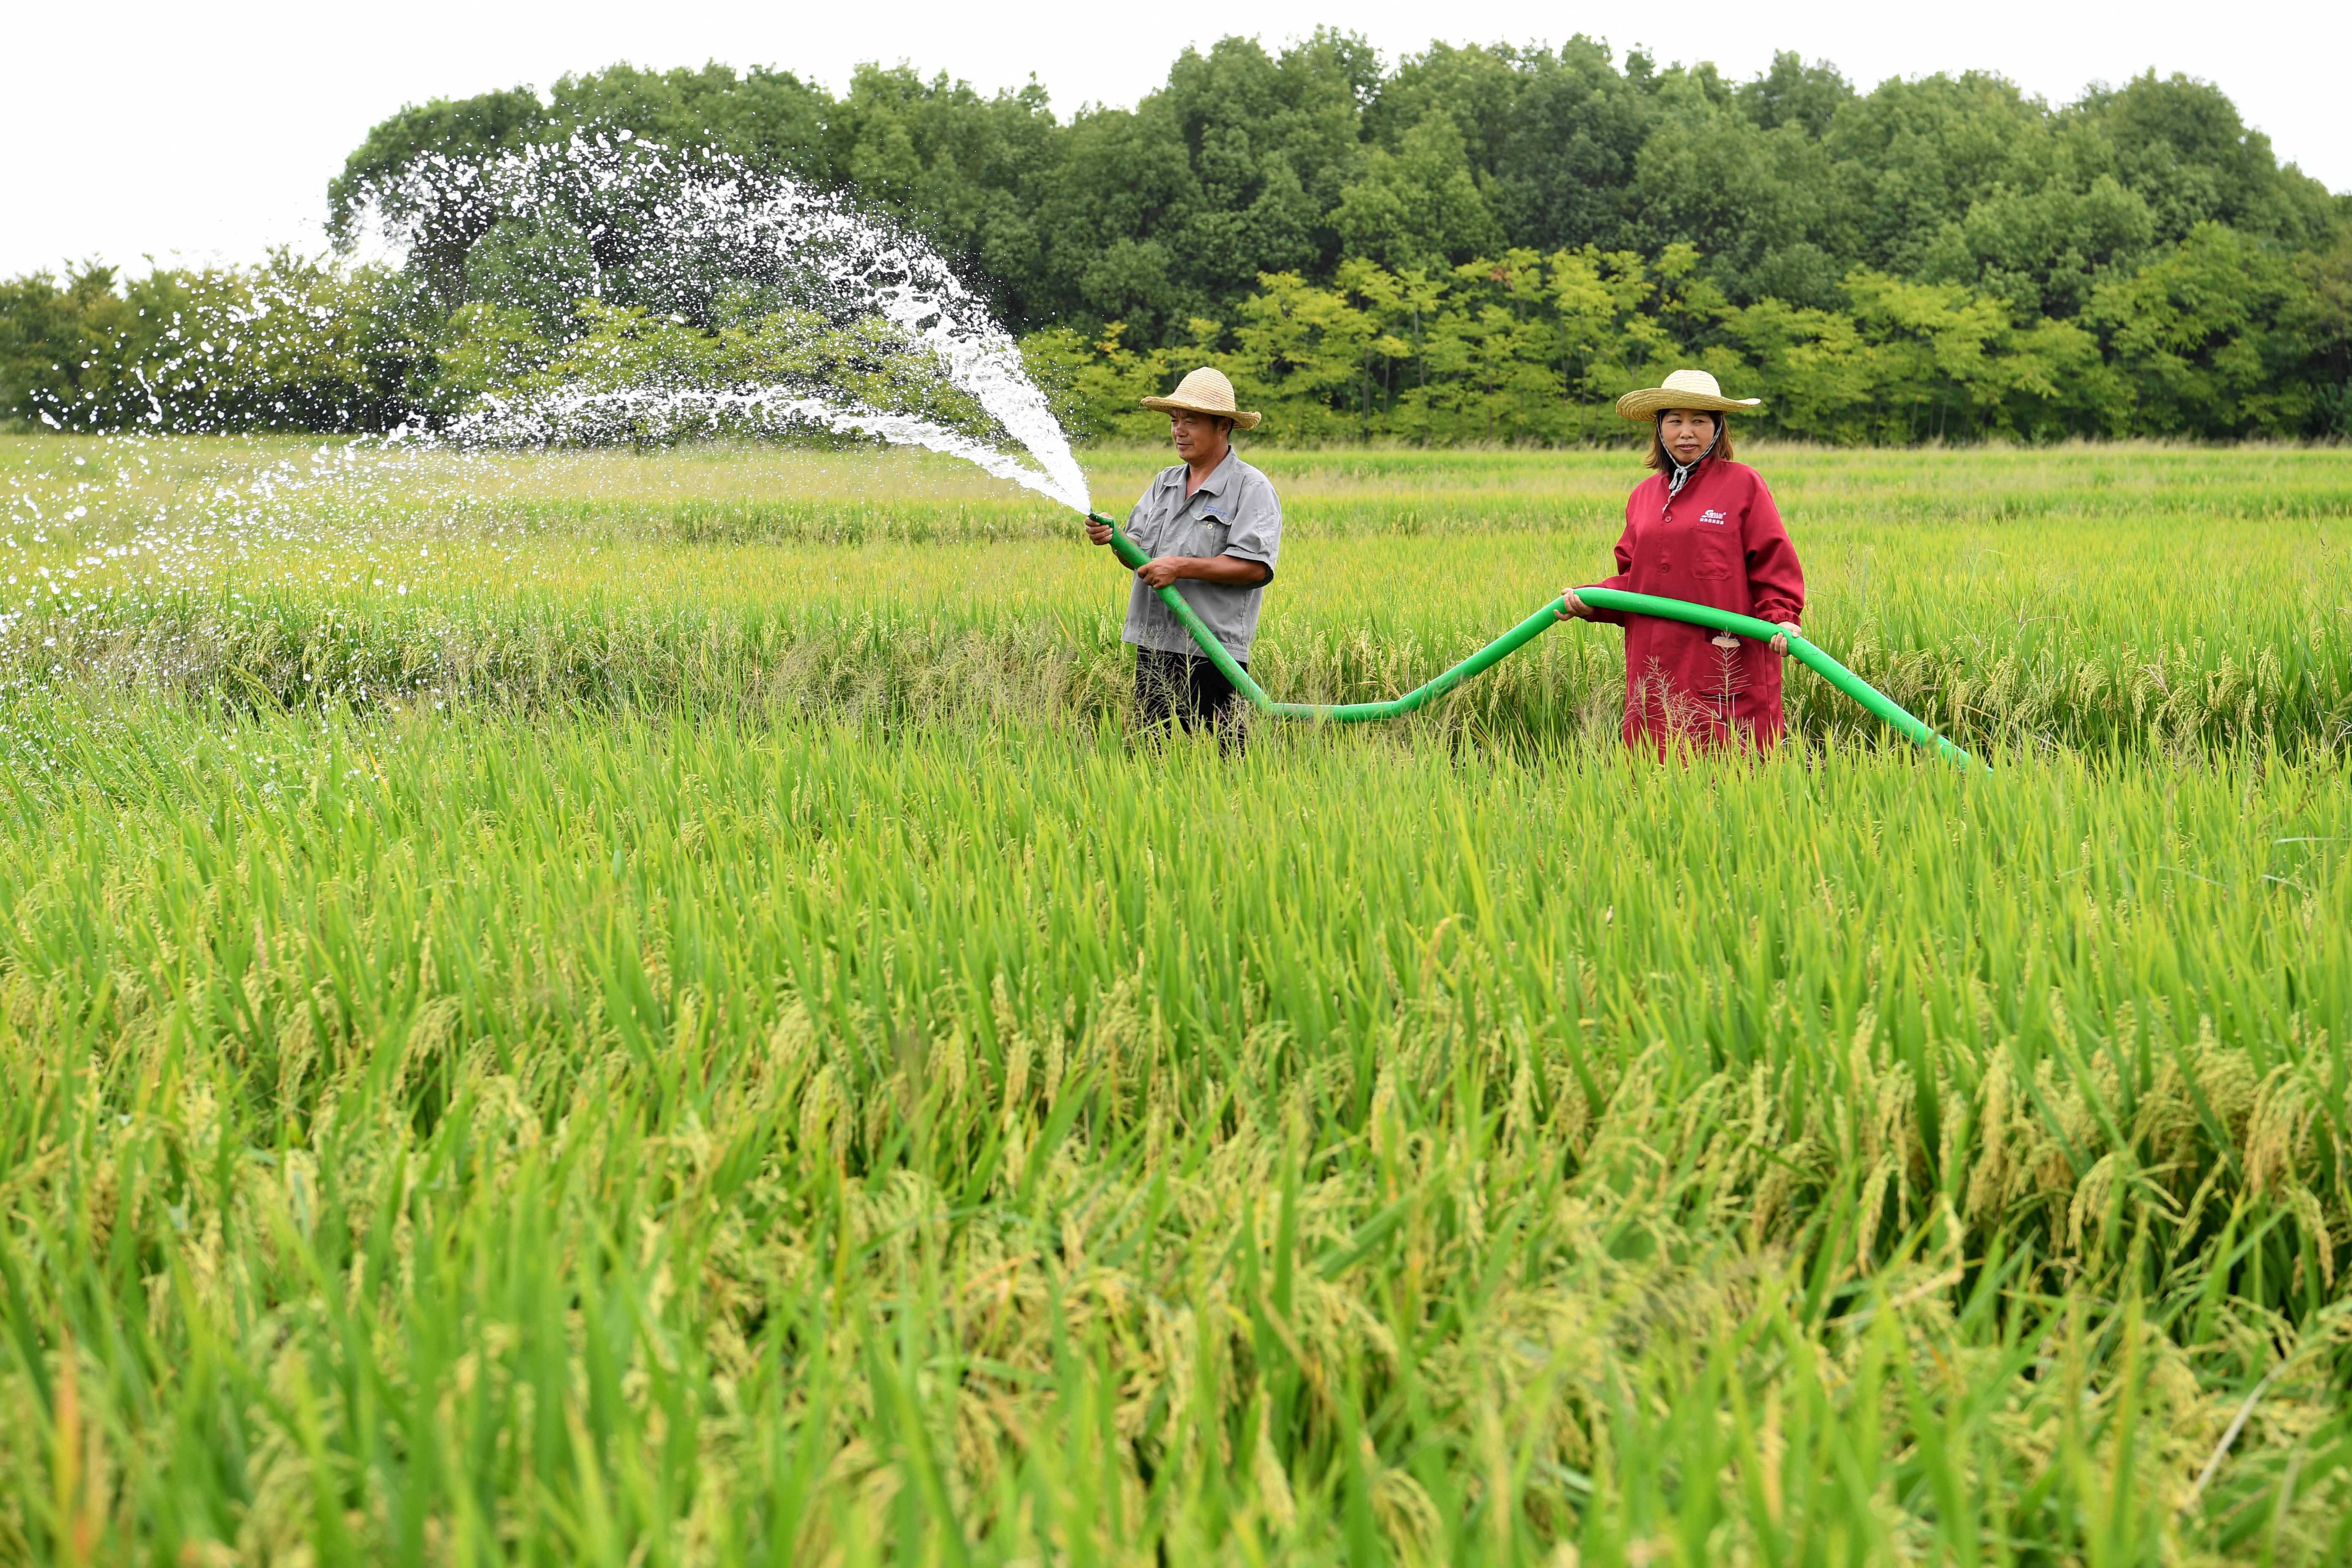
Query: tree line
(1475, 242)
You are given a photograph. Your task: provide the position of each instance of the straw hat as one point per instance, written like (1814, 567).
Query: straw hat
(1684, 389)
(1206, 391)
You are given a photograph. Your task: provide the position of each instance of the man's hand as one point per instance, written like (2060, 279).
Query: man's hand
(1098, 531)
(1787, 629)
(1161, 572)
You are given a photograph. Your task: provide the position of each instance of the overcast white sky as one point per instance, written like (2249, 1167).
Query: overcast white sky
(198, 130)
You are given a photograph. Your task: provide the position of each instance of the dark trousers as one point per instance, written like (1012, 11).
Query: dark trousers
(1185, 689)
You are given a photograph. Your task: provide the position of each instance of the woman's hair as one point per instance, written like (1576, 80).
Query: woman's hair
(1663, 464)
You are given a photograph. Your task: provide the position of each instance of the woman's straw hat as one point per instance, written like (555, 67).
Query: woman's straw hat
(1684, 389)
(1206, 391)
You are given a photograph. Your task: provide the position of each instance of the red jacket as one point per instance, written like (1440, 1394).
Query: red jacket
(1719, 542)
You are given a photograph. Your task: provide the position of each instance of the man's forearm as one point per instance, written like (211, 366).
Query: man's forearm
(1229, 569)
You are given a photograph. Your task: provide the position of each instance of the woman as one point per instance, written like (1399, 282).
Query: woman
(1704, 528)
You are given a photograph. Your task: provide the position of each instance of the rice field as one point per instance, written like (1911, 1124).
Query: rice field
(2084, 598)
(645, 1009)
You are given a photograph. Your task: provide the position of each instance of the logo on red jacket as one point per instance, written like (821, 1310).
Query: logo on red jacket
(1711, 515)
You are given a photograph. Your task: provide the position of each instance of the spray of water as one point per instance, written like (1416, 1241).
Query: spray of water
(102, 545)
(687, 230)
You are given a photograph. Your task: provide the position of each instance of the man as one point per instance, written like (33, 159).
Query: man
(1212, 526)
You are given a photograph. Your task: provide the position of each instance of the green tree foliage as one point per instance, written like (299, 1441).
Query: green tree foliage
(1420, 206)
(295, 343)
(1474, 242)
(1753, 200)
(1532, 348)
(62, 343)
(2214, 336)
(2179, 144)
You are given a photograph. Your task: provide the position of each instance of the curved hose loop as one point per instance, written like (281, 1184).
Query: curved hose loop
(1131, 555)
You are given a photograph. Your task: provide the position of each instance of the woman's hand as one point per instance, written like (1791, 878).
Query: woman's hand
(1787, 629)
(1098, 531)
(1570, 604)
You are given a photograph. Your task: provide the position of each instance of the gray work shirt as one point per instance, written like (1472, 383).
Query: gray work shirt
(1234, 513)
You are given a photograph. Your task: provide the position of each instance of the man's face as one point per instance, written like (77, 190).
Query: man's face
(1197, 436)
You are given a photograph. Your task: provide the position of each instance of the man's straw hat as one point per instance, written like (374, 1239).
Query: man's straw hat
(1684, 389)
(1206, 391)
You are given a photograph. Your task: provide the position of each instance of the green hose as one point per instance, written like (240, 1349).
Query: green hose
(1131, 555)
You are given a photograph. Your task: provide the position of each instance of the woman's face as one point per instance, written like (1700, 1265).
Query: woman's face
(1688, 433)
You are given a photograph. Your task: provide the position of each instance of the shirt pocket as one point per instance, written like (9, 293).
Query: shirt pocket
(1203, 535)
(1715, 555)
